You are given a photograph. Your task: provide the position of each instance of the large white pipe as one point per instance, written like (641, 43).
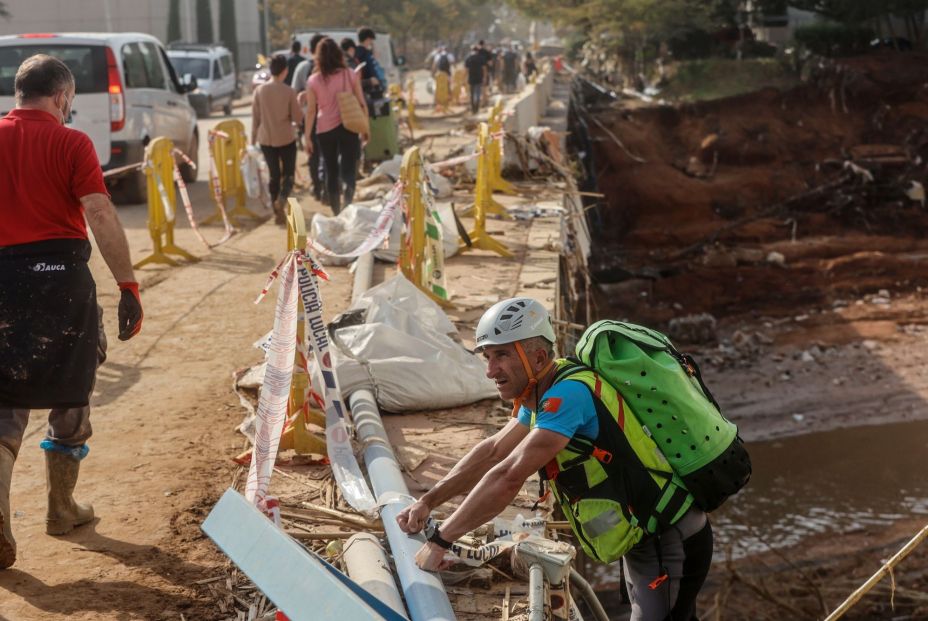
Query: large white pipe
(367, 564)
(536, 593)
(363, 272)
(425, 594)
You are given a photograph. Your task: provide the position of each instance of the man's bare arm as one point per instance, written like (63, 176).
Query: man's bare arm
(109, 234)
(502, 483)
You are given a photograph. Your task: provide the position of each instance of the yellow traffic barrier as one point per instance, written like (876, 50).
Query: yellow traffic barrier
(421, 251)
(396, 96)
(459, 87)
(162, 203)
(442, 92)
(483, 200)
(411, 105)
(497, 133)
(227, 145)
(296, 435)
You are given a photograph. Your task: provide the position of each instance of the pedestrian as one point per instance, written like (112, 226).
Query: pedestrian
(51, 335)
(349, 49)
(294, 59)
(510, 66)
(443, 61)
(303, 71)
(568, 425)
(476, 76)
(275, 114)
(529, 68)
(341, 148)
(373, 82)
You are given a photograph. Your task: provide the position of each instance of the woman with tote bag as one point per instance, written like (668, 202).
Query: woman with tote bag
(335, 105)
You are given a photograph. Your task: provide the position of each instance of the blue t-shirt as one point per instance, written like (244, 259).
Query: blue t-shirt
(566, 408)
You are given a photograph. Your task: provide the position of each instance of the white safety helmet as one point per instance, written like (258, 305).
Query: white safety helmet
(514, 320)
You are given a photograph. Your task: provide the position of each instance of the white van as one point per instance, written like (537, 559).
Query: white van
(214, 69)
(383, 49)
(127, 93)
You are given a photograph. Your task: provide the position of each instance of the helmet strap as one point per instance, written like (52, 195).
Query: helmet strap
(532, 380)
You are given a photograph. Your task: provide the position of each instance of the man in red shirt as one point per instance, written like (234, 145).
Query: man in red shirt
(51, 337)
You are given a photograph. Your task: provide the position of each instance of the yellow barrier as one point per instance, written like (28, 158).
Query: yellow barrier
(296, 435)
(459, 87)
(227, 147)
(483, 200)
(442, 92)
(162, 203)
(421, 251)
(497, 183)
(396, 95)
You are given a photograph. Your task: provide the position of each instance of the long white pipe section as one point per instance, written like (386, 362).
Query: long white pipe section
(425, 594)
(367, 564)
(536, 593)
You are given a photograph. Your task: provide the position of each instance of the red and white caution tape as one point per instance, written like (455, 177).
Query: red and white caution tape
(162, 193)
(185, 198)
(217, 186)
(454, 161)
(377, 235)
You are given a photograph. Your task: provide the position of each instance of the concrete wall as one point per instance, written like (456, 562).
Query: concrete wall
(528, 107)
(148, 16)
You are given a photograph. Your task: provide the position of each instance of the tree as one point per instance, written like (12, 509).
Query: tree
(204, 22)
(227, 27)
(174, 21)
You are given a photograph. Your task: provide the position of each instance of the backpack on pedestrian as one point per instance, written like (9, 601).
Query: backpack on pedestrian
(667, 396)
(444, 62)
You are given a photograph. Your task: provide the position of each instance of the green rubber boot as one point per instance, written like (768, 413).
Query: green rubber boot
(7, 543)
(63, 513)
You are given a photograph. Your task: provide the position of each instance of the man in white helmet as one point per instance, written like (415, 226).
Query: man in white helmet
(552, 416)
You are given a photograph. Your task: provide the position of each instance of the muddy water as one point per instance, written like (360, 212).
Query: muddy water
(835, 481)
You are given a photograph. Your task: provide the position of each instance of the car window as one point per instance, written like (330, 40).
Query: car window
(226, 64)
(198, 67)
(133, 66)
(86, 62)
(217, 73)
(153, 68)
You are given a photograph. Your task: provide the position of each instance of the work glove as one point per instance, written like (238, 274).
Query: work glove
(130, 310)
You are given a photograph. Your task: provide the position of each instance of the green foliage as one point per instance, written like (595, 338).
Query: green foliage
(227, 28)
(174, 21)
(699, 80)
(204, 22)
(834, 39)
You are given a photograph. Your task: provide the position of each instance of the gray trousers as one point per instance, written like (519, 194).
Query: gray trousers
(685, 555)
(66, 426)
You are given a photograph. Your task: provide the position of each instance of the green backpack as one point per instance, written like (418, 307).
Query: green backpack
(666, 394)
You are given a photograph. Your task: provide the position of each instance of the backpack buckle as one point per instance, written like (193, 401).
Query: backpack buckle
(602, 455)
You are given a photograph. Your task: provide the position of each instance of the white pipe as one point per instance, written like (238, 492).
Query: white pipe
(536, 593)
(425, 594)
(367, 564)
(363, 273)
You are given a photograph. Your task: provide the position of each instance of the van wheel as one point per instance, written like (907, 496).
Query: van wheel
(227, 109)
(132, 189)
(188, 172)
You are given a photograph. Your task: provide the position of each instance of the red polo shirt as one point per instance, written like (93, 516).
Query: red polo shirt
(45, 169)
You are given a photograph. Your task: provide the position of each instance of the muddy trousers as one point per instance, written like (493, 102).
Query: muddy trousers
(281, 166)
(66, 426)
(684, 552)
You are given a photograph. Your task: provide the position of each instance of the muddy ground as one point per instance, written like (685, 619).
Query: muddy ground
(786, 216)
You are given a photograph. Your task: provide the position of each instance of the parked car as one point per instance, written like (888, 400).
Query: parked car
(127, 93)
(214, 69)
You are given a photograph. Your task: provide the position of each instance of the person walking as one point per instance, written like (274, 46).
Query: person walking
(301, 77)
(568, 423)
(51, 335)
(476, 75)
(275, 113)
(349, 48)
(529, 68)
(293, 60)
(341, 148)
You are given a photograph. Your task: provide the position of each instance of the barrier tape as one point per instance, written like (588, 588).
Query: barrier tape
(338, 443)
(379, 232)
(185, 198)
(162, 193)
(216, 186)
(275, 389)
(454, 161)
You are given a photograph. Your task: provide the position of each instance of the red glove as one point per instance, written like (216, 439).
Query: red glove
(130, 310)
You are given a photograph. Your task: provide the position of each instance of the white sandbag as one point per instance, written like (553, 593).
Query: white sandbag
(342, 233)
(254, 169)
(404, 354)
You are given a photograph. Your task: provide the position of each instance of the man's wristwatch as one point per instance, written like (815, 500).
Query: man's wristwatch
(437, 539)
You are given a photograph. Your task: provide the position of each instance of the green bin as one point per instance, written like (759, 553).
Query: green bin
(384, 140)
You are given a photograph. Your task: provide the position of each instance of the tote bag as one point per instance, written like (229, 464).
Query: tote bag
(353, 117)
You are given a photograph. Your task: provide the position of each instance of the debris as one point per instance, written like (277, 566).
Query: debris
(693, 328)
(776, 258)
